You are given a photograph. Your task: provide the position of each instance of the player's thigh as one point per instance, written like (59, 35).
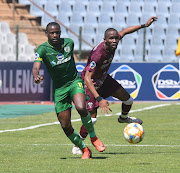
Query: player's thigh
(77, 87)
(121, 94)
(77, 94)
(111, 87)
(62, 100)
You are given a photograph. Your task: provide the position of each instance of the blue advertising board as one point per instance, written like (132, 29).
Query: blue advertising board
(146, 81)
(16, 82)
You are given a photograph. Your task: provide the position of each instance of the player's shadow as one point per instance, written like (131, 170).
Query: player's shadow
(99, 157)
(64, 158)
(115, 153)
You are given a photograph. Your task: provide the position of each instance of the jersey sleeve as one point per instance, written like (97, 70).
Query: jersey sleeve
(39, 54)
(93, 63)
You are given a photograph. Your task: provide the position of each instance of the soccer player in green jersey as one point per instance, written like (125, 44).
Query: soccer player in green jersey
(57, 54)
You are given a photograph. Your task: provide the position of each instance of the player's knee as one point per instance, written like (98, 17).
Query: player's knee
(94, 120)
(81, 110)
(65, 125)
(129, 101)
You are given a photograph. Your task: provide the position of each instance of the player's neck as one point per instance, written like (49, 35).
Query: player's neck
(108, 49)
(56, 46)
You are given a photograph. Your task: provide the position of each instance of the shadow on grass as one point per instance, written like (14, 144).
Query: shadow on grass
(101, 158)
(116, 153)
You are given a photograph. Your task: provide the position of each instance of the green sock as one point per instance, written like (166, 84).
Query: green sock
(75, 139)
(87, 122)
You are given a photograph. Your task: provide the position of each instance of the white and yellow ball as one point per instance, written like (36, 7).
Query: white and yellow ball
(134, 133)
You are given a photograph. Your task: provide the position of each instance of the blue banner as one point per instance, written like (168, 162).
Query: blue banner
(146, 81)
(16, 83)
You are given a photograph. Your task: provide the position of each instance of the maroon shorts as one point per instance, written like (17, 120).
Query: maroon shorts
(109, 86)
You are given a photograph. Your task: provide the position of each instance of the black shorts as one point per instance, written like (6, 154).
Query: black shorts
(109, 86)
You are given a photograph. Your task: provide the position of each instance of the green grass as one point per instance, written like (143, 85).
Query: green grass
(47, 150)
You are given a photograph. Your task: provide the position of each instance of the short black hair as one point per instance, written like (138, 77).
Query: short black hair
(107, 30)
(52, 24)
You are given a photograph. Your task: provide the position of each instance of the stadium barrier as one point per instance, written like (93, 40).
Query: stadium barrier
(17, 83)
(144, 81)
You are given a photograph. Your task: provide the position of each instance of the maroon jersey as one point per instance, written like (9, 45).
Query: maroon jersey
(99, 62)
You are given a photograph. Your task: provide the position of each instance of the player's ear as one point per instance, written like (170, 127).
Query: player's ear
(106, 43)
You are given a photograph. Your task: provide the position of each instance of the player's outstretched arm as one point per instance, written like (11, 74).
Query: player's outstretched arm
(35, 72)
(132, 29)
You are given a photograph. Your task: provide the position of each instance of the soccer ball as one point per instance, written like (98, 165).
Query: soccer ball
(134, 133)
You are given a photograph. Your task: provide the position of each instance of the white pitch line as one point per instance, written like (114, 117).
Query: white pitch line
(48, 124)
(147, 108)
(28, 128)
(34, 127)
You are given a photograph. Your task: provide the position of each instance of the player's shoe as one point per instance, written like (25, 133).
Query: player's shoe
(129, 120)
(76, 150)
(98, 144)
(87, 154)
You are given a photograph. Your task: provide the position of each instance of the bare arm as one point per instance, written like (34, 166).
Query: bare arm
(132, 29)
(89, 83)
(104, 104)
(35, 72)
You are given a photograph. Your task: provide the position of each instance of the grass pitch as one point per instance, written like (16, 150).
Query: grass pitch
(47, 150)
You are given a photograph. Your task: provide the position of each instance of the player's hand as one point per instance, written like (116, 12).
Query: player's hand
(38, 79)
(151, 20)
(104, 105)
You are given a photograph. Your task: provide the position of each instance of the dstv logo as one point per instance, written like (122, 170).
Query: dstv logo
(168, 83)
(127, 83)
(131, 79)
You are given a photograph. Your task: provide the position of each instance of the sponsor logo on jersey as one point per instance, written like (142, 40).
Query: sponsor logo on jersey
(166, 83)
(92, 65)
(107, 62)
(64, 60)
(36, 56)
(60, 61)
(60, 56)
(129, 79)
(67, 49)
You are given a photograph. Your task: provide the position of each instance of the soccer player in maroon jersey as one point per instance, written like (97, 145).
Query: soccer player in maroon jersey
(100, 85)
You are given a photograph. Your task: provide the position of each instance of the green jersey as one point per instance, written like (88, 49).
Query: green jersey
(60, 63)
